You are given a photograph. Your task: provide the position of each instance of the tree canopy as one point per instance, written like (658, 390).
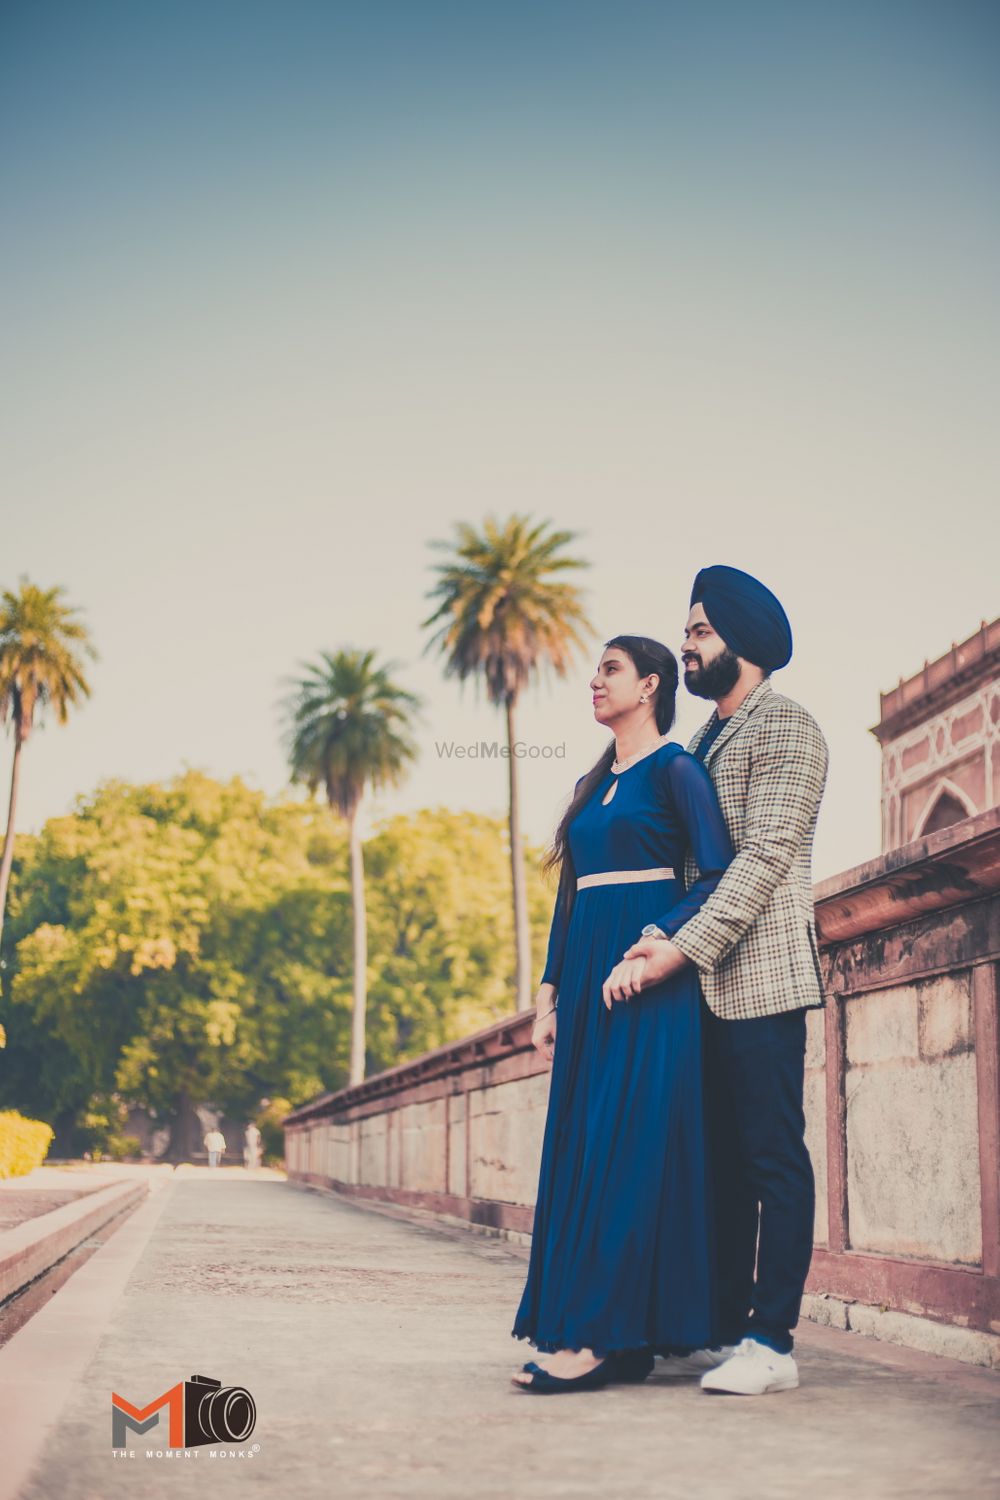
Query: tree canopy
(191, 943)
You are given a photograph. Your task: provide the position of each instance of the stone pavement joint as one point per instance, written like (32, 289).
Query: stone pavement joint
(378, 1353)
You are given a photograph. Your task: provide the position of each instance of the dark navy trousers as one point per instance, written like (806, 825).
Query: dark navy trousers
(764, 1189)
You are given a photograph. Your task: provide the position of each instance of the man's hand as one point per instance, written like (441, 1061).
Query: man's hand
(646, 963)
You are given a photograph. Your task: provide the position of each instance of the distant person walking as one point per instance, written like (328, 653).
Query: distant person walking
(251, 1147)
(215, 1145)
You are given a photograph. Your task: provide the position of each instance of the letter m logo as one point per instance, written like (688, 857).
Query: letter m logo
(142, 1418)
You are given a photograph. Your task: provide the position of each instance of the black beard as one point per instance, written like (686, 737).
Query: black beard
(715, 680)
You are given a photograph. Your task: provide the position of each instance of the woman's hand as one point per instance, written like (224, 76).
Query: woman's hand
(624, 981)
(646, 963)
(543, 1033)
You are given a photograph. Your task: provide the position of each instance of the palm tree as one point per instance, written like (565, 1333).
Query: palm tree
(40, 666)
(504, 614)
(348, 727)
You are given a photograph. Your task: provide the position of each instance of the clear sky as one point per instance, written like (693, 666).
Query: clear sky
(290, 288)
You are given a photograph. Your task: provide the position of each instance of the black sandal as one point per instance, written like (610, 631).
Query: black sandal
(544, 1384)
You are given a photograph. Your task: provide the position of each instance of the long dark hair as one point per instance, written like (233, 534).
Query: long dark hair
(647, 656)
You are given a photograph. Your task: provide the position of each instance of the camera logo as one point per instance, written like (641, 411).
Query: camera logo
(199, 1410)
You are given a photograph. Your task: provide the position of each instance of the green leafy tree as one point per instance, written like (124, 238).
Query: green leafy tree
(442, 931)
(174, 947)
(348, 728)
(41, 644)
(504, 614)
(188, 944)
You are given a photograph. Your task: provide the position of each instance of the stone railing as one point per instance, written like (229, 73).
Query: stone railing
(902, 1103)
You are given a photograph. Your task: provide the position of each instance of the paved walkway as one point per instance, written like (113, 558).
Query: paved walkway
(378, 1353)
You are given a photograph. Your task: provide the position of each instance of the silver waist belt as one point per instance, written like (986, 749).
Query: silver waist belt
(624, 877)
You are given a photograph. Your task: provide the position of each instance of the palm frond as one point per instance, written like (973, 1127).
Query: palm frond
(41, 648)
(347, 726)
(501, 615)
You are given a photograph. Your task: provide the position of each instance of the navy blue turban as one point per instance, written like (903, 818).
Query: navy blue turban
(746, 614)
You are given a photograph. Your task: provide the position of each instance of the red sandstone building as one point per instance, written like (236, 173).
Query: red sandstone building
(940, 738)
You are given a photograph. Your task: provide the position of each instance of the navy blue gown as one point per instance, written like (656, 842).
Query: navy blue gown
(621, 1250)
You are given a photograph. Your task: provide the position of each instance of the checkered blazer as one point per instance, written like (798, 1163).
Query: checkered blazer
(754, 940)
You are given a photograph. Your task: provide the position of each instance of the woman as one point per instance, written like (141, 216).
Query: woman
(621, 1262)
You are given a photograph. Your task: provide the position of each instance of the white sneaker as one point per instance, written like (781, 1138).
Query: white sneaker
(697, 1362)
(754, 1370)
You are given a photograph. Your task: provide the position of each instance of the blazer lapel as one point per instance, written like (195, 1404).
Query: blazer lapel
(752, 700)
(699, 735)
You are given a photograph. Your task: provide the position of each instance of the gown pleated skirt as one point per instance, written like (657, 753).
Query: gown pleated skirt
(621, 1249)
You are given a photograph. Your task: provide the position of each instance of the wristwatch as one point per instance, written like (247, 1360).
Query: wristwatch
(651, 930)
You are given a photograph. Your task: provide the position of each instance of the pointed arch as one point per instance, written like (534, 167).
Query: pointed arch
(946, 805)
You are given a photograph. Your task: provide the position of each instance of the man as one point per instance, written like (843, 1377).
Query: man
(215, 1145)
(754, 943)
